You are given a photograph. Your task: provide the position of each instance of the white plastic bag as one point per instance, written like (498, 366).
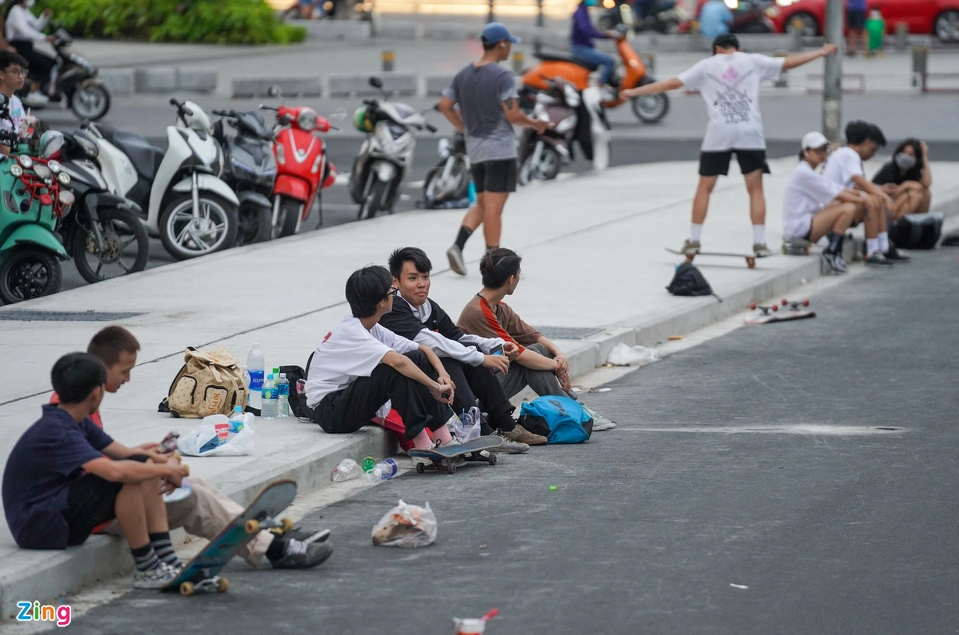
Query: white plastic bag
(346, 470)
(238, 444)
(470, 427)
(623, 355)
(406, 526)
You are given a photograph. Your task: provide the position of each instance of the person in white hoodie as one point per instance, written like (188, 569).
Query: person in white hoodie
(23, 30)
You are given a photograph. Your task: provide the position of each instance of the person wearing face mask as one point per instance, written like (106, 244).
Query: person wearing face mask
(23, 29)
(907, 179)
(582, 46)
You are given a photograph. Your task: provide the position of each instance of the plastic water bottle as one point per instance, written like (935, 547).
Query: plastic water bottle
(236, 420)
(255, 366)
(270, 401)
(283, 396)
(383, 471)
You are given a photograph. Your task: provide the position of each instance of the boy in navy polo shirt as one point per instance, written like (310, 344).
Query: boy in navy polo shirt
(58, 485)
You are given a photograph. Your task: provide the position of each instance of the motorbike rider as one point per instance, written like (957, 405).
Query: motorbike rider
(22, 30)
(714, 19)
(13, 68)
(581, 42)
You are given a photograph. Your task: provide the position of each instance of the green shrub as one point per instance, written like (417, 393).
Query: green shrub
(205, 21)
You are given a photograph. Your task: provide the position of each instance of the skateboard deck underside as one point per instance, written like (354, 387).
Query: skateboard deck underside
(779, 317)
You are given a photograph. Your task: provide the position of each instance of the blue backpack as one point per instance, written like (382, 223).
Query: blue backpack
(560, 419)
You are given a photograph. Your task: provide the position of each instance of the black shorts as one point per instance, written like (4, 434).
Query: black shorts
(90, 503)
(494, 176)
(855, 19)
(717, 163)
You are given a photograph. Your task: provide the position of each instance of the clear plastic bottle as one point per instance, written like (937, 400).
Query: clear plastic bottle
(236, 420)
(283, 396)
(383, 471)
(255, 366)
(270, 401)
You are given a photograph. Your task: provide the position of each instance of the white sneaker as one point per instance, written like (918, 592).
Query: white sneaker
(600, 422)
(455, 256)
(36, 99)
(155, 578)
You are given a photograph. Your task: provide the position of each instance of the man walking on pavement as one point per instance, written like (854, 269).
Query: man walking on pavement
(488, 110)
(729, 82)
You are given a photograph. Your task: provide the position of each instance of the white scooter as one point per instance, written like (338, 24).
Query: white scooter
(188, 207)
(386, 152)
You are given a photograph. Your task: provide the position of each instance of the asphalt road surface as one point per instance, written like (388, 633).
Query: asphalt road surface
(789, 478)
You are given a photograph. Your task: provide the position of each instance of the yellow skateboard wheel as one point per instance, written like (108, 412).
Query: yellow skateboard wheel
(287, 525)
(187, 588)
(252, 526)
(222, 585)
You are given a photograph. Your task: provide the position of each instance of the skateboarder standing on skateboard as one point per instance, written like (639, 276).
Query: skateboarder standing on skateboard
(206, 510)
(729, 82)
(467, 358)
(815, 207)
(360, 365)
(59, 483)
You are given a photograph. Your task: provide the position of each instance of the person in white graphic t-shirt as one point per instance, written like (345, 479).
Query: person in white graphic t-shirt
(729, 82)
(13, 70)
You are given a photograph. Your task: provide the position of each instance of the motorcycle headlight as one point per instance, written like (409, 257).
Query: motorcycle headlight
(25, 161)
(306, 120)
(89, 147)
(54, 166)
(16, 170)
(64, 178)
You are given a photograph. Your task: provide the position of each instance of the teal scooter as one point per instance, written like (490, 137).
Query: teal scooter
(31, 205)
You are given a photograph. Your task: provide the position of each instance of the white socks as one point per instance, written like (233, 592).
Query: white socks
(872, 246)
(883, 239)
(695, 232)
(759, 234)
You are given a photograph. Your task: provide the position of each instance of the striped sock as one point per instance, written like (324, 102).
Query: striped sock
(145, 558)
(163, 548)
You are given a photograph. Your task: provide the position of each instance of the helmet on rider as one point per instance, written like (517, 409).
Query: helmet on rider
(361, 120)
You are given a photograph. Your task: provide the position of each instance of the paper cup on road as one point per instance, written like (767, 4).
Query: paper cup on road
(470, 626)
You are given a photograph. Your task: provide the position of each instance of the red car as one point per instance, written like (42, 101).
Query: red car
(940, 17)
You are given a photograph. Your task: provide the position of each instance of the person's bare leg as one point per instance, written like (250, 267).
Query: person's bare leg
(875, 220)
(701, 200)
(493, 217)
(154, 507)
(474, 215)
(835, 217)
(757, 199)
(906, 201)
(926, 201)
(132, 516)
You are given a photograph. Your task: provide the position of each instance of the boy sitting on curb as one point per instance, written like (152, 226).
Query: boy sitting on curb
(58, 485)
(467, 358)
(360, 365)
(206, 510)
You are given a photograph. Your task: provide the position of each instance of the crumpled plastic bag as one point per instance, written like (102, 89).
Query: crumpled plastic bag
(470, 427)
(347, 469)
(623, 355)
(238, 444)
(406, 526)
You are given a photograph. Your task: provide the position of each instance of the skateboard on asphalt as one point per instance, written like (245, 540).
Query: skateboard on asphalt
(200, 573)
(444, 457)
(750, 258)
(790, 311)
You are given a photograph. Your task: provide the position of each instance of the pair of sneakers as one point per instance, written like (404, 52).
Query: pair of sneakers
(156, 578)
(835, 264)
(692, 247)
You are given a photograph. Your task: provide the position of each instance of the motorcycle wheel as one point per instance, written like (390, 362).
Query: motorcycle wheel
(290, 210)
(90, 100)
(432, 194)
(253, 225)
(548, 167)
(650, 108)
(27, 273)
(121, 230)
(216, 231)
(374, 200)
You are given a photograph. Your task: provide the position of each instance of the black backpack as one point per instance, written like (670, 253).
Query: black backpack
(917, 231)
(689, 281)
(297, 400)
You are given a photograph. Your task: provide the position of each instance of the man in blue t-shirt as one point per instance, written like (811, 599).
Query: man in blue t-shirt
(714, 19)
(59, 483)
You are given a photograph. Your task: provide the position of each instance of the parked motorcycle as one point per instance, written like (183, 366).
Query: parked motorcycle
(647, 108)
(74, 79)
(250, 169)
(385, 154)
(449, 181)
(576, 119)
(105, 234)
(189, 208)
(665, 17)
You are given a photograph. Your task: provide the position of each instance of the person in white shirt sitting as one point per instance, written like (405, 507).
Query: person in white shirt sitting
(845, 168)
(815, 207)
(23, 29)
(360, 366)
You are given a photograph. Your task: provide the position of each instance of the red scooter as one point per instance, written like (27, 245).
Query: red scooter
(301, 165)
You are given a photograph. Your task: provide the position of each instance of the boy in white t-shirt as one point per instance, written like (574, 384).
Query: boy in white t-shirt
(13, 70)
(815, 207)
(729, 82)
(360, 365)
(845, 168)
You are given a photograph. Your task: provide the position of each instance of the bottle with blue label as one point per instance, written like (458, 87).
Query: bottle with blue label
(236, 420)
(255, 366)
(270, 398)
(283, 396)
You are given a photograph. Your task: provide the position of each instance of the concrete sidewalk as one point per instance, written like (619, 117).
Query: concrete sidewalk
(594, 275)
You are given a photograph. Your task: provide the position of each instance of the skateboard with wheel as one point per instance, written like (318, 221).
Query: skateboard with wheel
(200, 573)
(790, 311)
(444, 457)
(750, 258)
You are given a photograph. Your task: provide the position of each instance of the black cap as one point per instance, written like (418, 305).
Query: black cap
(726, 41)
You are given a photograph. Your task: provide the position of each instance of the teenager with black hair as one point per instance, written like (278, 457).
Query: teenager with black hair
(469, 359)
(23, 30)
(60, 482)
(729, 82)
(360, 365)
(907, 178)
(845, 168)
(13, 70)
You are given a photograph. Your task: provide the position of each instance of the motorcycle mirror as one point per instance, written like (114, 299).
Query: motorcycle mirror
(376, 82)
(274, 91)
